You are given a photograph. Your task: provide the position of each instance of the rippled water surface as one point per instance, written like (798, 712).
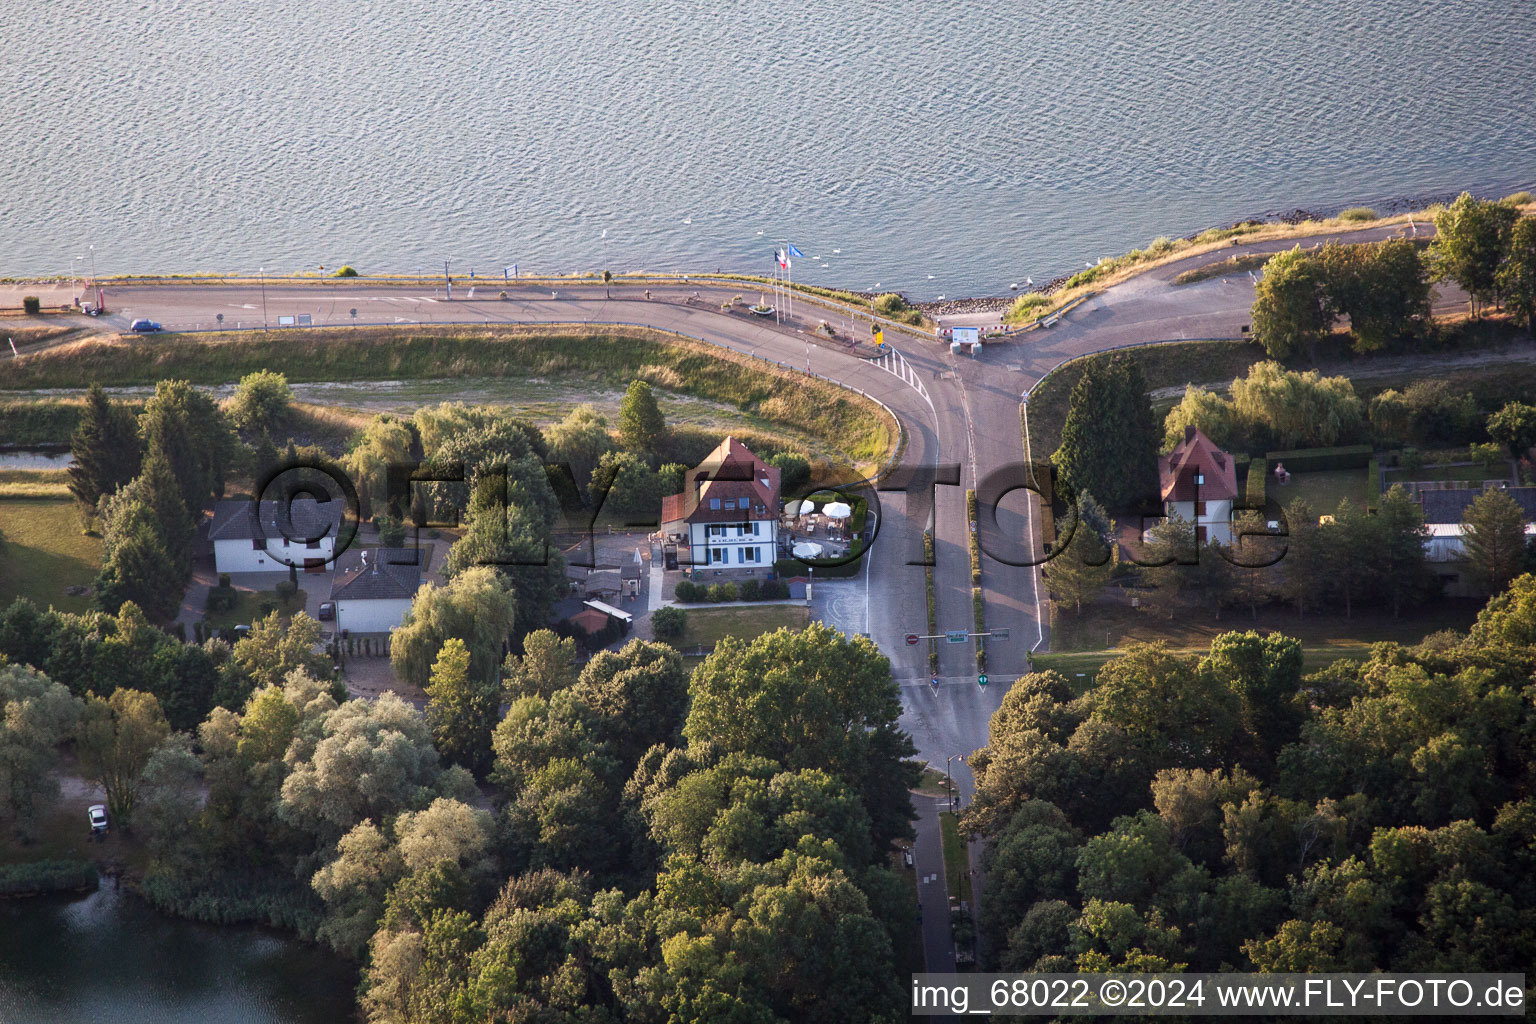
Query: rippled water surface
(942, 148)
(108, 957)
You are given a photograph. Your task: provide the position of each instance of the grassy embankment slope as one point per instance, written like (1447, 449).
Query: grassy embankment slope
(852, 430)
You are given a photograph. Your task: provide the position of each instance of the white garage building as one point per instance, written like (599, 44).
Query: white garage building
(373, 589)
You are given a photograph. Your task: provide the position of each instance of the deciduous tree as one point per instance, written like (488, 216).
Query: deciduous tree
(115, 740)
(1471, 239)
(1290, 309)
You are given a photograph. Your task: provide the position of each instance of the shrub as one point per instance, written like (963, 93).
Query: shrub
(285, 590)
(224, 580)
(751, 590)
(889, 304)
(1160, 244)
(1518, 199)
(774, 590)
(267, 607)
(668, 623)
(1024, 305)
(31, 304)
(45, 876)
(1358, 213)
(220, 599)
(345, 271)
(1489, 455)
(687, 591)
(719, 592)
(1373, 486)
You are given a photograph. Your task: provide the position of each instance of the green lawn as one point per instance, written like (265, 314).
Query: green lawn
(955, 863)
(1323, 489)
(710, 625)
(44, 552)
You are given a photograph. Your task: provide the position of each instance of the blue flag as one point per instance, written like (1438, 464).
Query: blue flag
(796, 253)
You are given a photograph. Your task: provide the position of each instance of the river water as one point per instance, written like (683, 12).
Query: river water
(938, 148)
(108, 957)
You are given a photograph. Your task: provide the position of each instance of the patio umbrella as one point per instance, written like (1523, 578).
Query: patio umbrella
(837, 510)
(792, 507)
(807, 549)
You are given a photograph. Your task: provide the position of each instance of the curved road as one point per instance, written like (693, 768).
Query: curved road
(956, 410)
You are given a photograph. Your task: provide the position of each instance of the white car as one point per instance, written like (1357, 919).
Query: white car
(97, 813)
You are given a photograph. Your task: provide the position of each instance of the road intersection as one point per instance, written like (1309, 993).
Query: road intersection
(955, 410)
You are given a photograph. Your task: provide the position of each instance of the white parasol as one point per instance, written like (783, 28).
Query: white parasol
(837, 510)
(807, 549)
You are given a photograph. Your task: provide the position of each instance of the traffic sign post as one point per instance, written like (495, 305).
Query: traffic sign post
(912, 639)
(981, 680)
(956, 636)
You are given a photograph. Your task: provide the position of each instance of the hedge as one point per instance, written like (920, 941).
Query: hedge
(47, 876)
(1352, 456)
(1255, 494)
(795, 567)
(689, 592)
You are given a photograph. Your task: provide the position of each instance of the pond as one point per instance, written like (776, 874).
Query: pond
(110, 957)
(35, 459)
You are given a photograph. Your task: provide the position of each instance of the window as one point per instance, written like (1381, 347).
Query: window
(1199, 508)
(714, 504)
(259, 544)
(1199, 479)
(717, 555)
(730, 503)
(313, 545)
(749, 554)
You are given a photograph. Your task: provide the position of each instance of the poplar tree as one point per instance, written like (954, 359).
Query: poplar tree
(1109, 441)
(640, 421)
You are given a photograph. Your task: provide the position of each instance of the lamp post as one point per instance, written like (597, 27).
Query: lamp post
(949, 782)
(78, 261)
(263, 272)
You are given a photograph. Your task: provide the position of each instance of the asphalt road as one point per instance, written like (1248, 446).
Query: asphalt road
(956, 411)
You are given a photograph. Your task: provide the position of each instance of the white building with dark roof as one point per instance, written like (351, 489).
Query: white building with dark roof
(372, 589)
(727, 515)
(272, 535)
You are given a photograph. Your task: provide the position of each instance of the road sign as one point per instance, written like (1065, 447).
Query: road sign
(981, 680)
(956, 636)
(912, 638)
(935, 682)
(999, 634)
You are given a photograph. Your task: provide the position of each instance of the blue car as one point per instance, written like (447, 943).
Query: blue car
(145, 327)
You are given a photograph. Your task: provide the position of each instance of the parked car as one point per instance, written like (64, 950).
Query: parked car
(145, 327)
(326, 611)
(97, 813)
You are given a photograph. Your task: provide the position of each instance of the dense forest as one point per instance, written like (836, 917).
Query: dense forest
(1231, 812)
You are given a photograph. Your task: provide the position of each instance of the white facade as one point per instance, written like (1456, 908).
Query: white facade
(271, 555)
(375, 615)
(1217, 518)
(749, 545)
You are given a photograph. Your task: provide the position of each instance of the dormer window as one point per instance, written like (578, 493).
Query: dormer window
(714, 504)
(730, 504)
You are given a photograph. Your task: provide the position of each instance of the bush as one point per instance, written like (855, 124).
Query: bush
(668, 623)
(1489, 456)
(1358, 213)
(391, 531)
(1518, 199)
(1159, 245)
(720, 592)
(751, 590)
(31, 304)
(345, 271)
(1025, 305)
(774, 590)
(285, 590)
(224, 580)
(221, 599)
(44, 876)
(889, 304)
(688, 592)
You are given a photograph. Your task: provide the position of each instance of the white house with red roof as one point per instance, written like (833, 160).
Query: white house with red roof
(1198, 482)
(727, 516)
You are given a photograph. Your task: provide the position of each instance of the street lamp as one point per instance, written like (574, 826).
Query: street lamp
(263, 272)
(78, 260)
(950, 782)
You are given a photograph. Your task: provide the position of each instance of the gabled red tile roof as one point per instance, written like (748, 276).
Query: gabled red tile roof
(731, 472)
(1197, 456)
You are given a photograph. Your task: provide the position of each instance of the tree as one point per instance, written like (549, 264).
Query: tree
(637, 695)
(1293, 408)
(1355, 544)
(810, 699)
(104, 448)
(625, 491)
(36, 715)
(668, 623)
(546, 667)
(1390, 415)
(1204, 410)
(461, 711)
(1290, 311)
(1383, 287)
(509, 539)
(1517, 277)
(641, 424)
(1493, 537)
(274, 648)
(794, 472)
(142, 571)
(115, 740)
(1471, 239)
(474, 606)
(1409, 579)
(1079, 570)
(262, 403)
(580, 440)
(1265, 674)
(1117, 464)
(156, 489)
(1514, 426)
(386, 441)
(192, 433)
